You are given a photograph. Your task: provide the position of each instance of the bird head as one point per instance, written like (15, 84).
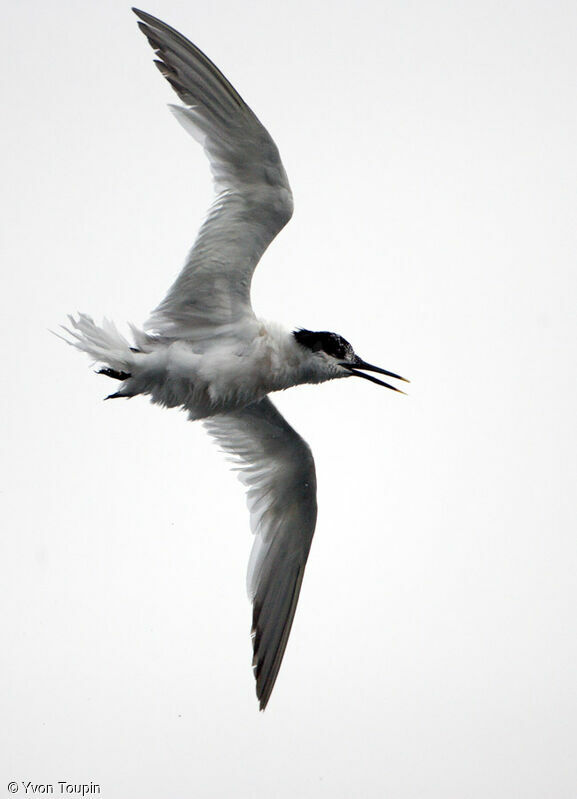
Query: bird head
(335, 357)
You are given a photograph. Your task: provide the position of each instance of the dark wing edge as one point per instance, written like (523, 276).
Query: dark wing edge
(271, 628)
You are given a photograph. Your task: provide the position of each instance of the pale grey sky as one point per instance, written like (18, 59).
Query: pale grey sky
(431, 152)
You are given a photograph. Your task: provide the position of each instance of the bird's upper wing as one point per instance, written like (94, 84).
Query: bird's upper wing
(253, 202)
(277, 466)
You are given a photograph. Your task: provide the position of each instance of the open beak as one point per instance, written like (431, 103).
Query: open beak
(367, 367)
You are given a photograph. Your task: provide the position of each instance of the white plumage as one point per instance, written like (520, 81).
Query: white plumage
(205, 350)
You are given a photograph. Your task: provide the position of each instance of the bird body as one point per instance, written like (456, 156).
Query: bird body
(204, 350)
(208, 376)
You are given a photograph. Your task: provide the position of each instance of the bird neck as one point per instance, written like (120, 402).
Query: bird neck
(290, 363)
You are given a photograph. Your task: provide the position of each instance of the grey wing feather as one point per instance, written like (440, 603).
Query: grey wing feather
(277, 467)
(253, 202)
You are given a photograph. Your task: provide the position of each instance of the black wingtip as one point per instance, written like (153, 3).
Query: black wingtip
(148, 18)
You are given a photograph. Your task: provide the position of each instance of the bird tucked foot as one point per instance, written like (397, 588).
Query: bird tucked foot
(114, 373)
(117, 375)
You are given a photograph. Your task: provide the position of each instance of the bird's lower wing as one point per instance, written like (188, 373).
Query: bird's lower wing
(277, 467)
(253, 202)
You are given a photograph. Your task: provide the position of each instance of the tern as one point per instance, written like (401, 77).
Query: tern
(204, 350)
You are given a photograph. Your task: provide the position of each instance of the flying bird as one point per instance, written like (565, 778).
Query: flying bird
(203, 348)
